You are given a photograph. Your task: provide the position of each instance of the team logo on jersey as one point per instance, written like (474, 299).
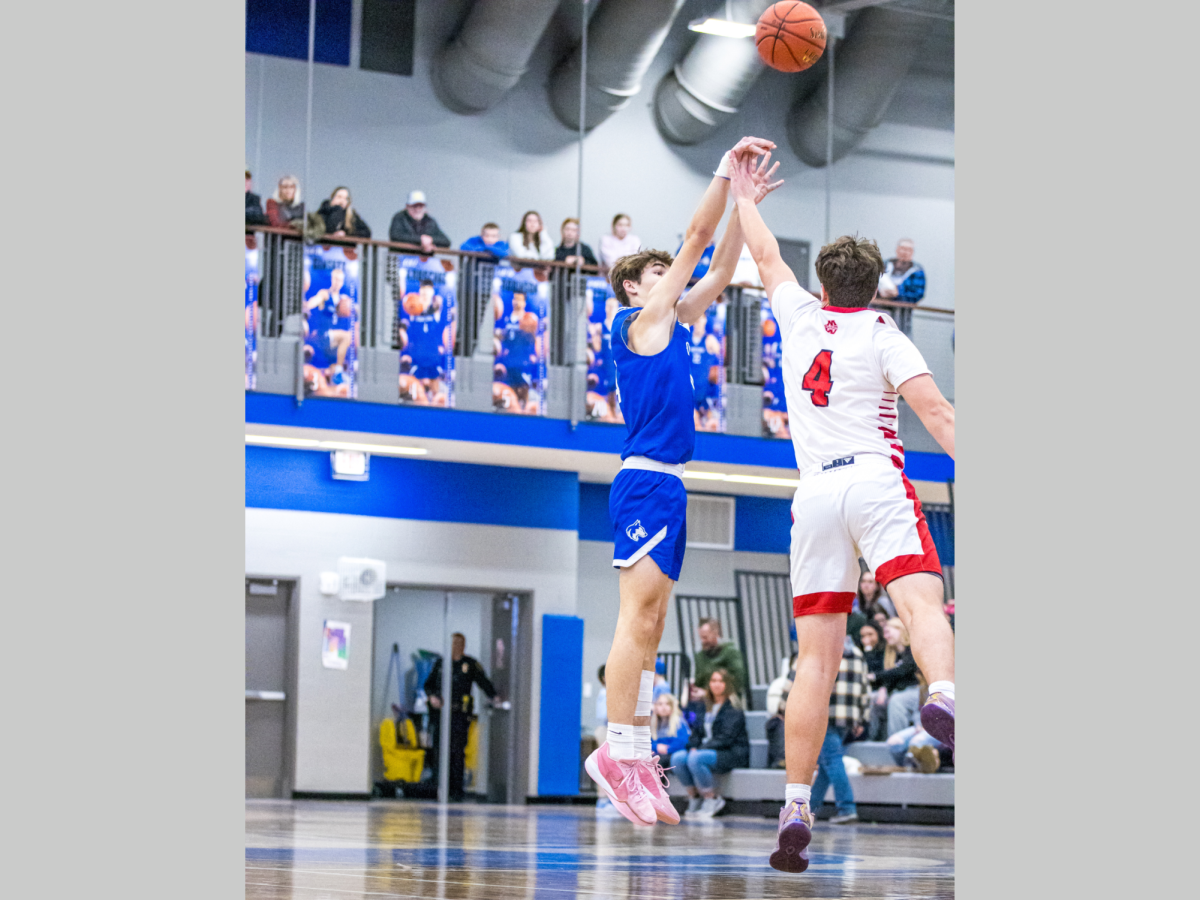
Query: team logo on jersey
(831, 326)
(635, 531)
(833, 464)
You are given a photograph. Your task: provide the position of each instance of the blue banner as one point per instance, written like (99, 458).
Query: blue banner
(775, 414)
(521, 306)
(330, 322)
(426, 329)
(251, 316)
(707, 348)
(602, 305)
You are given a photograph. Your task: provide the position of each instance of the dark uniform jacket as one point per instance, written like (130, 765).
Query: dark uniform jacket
(466, 671)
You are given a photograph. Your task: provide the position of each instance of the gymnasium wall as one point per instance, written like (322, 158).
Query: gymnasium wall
(383, 135)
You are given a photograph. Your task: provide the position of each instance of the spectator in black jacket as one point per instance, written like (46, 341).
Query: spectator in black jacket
(340, 218)
(719, 743)
(897, 683)
(254, 210)
(571, 250)
(412, 226)
(870, 637)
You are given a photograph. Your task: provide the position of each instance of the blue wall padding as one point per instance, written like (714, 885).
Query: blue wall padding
(414, 489)
(280, 28)
(562, 696)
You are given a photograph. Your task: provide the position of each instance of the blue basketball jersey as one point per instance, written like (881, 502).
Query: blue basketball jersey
(425, 339)
(655, 393)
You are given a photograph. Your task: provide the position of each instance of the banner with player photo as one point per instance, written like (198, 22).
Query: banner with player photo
(521, 305)
(251, 316)
(775, 414)
(602, 305)
(330, 313)
(426, 329)
(708, 367)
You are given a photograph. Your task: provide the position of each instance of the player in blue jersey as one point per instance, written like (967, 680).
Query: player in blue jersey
(648, 503)
(329, 326)
(422, 341)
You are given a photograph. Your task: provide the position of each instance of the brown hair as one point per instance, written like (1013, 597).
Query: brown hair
(731, 690)
(566, 221)
(708, 620)
(487, 225)
(630, 268)
(537, 235)
(618, 217)
(849, 269)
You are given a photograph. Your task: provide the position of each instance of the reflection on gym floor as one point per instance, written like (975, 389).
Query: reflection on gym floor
(316, 849)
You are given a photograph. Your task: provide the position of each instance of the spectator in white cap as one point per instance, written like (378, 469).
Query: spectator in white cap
(412, 226)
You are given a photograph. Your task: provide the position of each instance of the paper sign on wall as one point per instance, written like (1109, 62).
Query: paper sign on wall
(335, 645)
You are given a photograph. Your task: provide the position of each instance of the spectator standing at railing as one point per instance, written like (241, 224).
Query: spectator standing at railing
(530, 241)
(903, 280)
(340, 218)
(619, 243)
(487, 241)
(571, 250)
(284, 208)
(254, 210)
(413, 225)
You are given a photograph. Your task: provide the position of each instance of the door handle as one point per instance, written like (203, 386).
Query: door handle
(266, 695)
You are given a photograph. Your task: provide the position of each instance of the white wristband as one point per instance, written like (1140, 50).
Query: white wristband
(724, 166)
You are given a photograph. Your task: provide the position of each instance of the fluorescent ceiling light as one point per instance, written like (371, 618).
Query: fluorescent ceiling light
(744, 479)
(722, 28)
(310, 444)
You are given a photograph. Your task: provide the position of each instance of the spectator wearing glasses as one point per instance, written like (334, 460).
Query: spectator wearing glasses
(412, 225)
(340, 218)
(487, 241)
(530, 241)
(571, 250)
(284, 209)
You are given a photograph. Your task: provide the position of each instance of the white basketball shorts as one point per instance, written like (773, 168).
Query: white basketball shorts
(855, 506)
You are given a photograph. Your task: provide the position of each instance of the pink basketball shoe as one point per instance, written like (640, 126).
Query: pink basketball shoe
(652, 773)
(620, 780)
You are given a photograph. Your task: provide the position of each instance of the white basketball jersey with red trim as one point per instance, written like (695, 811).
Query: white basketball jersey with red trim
(841, 368)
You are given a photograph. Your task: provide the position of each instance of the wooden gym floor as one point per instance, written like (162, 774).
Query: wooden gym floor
(324, 850)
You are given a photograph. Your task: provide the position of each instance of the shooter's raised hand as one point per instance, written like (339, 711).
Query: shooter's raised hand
(762, 177)
(742, 178)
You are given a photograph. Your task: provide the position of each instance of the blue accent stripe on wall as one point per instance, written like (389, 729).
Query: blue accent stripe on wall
(594, 523)
(414, 489)
(280, 28)
(562, 696)
(762, 525)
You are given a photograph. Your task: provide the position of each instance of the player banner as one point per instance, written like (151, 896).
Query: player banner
(707, 348)
(330, 322)
(426, 329)
(251, 316)
(602, 305)
(521, 306)
(775, 414)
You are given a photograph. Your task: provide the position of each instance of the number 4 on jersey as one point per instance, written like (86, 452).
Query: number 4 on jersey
(817, 379)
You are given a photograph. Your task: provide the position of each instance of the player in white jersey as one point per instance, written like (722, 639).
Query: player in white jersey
(843, 367)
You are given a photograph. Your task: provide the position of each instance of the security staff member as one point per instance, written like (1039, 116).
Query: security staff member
(466, 672)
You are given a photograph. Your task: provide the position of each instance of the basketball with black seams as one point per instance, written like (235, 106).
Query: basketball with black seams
(790, 36)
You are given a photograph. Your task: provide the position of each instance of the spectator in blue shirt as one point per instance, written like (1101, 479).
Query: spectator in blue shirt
(903, 280)
(487, 241)
(669, 731)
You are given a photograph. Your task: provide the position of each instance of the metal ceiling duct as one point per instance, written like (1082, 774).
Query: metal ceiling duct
(870, 64)
(490, 53)
(708, 85)
(623, 38)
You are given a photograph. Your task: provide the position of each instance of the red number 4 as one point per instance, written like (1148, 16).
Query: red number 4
(817, 379)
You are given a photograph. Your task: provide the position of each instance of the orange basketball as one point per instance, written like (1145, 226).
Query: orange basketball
(529, 323)
(790, 36)
(343, 309)
(413, 305)
(768, 327)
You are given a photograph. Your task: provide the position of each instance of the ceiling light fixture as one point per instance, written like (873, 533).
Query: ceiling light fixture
(311, 444)
(744, 479)
(725, 27)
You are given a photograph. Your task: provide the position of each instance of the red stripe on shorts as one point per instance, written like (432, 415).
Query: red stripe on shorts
(823, 602)
(925, 561)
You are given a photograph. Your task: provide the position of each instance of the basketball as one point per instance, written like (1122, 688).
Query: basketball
(790, 36)
(343, 309)
(768, 327)
(529, 323)
(412, 304)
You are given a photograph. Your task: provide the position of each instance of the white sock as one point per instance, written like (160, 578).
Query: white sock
(641, 741)
(942, 687)
(620, 742)
(797, 792)
(645, 695)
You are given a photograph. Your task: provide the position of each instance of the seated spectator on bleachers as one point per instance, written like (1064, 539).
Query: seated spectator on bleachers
(530, 241)
(870, 638)
(571, 250)
(903, 280)
(871, 600)
(661, 685)
(487, 241)
(340, 218)
(669, 731)
(714, 655)
(254, 210)
(412, 225)
(849, 709)
(896, 685)
(719, 743)
(284, 209)
(619, 243)
(915, 748)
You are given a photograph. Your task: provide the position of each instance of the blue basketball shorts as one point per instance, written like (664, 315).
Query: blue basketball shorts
(649, 515)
